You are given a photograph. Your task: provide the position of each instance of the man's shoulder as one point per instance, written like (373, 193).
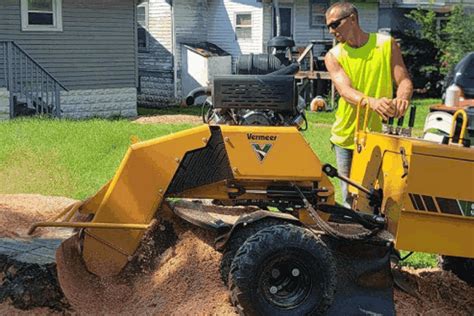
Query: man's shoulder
(382, 38)
(336, 50)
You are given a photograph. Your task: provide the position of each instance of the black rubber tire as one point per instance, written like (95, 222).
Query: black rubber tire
(310, 292)
(463, 268)
(238, 238)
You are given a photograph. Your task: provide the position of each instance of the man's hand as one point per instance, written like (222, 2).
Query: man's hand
(402, 80)
(383, 107)
(401, 106)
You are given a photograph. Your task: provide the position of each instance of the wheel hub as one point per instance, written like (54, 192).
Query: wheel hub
(285, 282)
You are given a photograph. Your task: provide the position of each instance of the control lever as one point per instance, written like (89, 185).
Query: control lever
(375, 196)
(399, 128)
(387, 127)
(411, 122)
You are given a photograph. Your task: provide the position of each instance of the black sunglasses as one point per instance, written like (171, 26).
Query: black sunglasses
(334, 25)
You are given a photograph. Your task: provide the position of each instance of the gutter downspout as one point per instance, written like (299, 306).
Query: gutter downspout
(135, 40)
(173, 49)
(276, 6)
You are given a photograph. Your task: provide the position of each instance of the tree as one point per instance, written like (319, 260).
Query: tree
(422, 61)
(456, 40)
(452, 40)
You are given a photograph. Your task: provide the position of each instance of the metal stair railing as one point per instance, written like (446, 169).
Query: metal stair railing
(28, 82)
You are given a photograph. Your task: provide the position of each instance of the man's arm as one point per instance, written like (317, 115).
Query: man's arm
(402, 80)
(343, 85)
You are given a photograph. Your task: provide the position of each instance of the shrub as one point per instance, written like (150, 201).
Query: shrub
(421, 59)
(432, 51)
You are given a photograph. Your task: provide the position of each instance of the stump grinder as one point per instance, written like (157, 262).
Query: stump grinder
(299, 252)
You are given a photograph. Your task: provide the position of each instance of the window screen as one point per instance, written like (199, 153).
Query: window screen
(317, 12)
(40, 12)
(142, 25)
(243, 25)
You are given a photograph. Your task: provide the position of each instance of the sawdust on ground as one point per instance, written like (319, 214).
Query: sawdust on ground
(438, 292)
(19, 211)
(186, 278)
(169, 119)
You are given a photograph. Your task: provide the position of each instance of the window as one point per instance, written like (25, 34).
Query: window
(243, 26)
(142, 26)
(441, 21)
(317, 13)
(41, 15)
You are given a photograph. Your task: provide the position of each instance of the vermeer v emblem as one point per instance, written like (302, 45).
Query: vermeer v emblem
(261, 150)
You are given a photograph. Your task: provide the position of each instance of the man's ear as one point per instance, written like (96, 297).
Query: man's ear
(351, 18)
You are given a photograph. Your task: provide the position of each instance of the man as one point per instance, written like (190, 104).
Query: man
(362, 65)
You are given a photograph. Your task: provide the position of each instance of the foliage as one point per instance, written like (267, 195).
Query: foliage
(421, 59)
(439, 47)
(419, 260)
(426, 19)
(458, 41)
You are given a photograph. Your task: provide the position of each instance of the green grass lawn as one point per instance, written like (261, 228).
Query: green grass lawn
(419, 260)
(75, 158)
(64, 157)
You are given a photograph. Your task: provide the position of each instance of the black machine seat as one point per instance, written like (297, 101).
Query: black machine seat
(263, 92)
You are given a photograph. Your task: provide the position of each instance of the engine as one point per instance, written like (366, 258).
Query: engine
(268, 100)
(263, 92)
(249, 117)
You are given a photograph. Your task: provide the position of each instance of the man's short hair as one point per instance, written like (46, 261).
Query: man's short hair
(345, 8)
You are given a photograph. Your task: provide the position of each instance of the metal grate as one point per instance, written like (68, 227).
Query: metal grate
(255, 92)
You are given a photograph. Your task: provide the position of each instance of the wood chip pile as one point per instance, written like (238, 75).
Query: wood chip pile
(185, 278)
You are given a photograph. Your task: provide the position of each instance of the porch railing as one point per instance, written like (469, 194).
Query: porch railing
(33, 90)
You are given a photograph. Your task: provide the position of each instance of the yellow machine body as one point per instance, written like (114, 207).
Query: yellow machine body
(257, 157)
(428, 188)
(279, 164)
(428, 191)
(133, 195)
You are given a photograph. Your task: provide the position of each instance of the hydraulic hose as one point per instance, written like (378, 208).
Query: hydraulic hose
(291, 69)
(195, 93)
(328, 229)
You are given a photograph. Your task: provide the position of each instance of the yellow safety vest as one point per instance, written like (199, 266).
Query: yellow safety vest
(369, 69)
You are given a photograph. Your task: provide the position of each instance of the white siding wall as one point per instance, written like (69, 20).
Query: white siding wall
(221, 25)
(190, 21)
(267, 26)
(214, 21)
(169, 27)
(302, 31)
(160, 35)
(434, 2)
(368, 16)
(156, 64)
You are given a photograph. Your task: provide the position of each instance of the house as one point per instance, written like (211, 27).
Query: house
(392, 13)
(236, 26)
(241, 27)
(71, 58)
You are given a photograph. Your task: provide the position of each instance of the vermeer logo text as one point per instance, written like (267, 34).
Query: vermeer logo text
(251, 136)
